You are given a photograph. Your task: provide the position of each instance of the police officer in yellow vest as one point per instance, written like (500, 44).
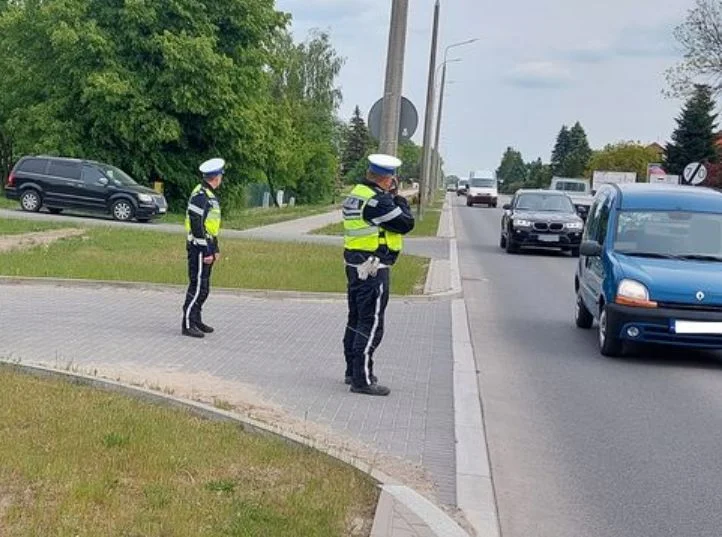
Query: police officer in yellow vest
(375, 220)
(203, 223)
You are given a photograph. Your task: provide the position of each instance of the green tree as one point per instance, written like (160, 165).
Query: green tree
(539, 175)
(694, 138)
(410, 154)
(512, 169)
(155, 88)
(571, 152)
(624, 157)
(561, 151)
(578, 158)
(357, 142)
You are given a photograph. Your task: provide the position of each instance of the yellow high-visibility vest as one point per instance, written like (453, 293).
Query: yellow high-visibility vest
(359, 234)
(213, 220)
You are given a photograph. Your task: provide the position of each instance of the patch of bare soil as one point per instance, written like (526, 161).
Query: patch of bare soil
(25, 241)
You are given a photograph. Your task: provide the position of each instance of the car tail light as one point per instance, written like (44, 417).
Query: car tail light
(11, 180)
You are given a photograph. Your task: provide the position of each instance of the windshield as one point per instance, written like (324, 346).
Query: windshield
(569, 186)
(544, 202)
(117, 175)
(483, 183)
(669, 234)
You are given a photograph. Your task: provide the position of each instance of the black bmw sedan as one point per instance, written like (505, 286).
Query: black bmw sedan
(541, 219)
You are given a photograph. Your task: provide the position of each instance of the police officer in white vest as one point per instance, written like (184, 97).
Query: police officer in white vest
(375, 220)
(203, 223)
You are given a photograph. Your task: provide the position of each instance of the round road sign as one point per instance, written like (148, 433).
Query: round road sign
(695, 173)
(408, 120)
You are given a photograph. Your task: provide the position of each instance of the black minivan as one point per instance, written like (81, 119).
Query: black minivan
(64, 183)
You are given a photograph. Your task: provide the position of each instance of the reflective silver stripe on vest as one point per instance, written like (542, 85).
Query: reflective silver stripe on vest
(365, 232)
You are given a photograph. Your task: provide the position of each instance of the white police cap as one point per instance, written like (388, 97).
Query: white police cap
(212, 167)
(384, 164)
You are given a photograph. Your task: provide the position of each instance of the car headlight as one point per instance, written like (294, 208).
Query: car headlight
(519, 222)
(575, 226)
(145, 198)
(634, 293)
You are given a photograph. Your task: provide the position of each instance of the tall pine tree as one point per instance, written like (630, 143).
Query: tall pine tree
(580, 153)
(571, 152)
(357, 144)
(561, 151)
(694, 138)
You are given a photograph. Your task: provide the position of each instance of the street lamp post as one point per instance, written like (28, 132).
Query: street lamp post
(437, 167)
(435, 157)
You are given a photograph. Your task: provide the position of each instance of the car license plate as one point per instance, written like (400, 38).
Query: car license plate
(697, 327)
(162, 210)
(548, 238)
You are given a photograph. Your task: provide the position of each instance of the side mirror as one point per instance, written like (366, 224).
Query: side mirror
(591, 249)
(506, 207)
(103, 181)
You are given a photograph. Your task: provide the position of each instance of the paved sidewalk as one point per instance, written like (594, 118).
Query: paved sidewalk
(285, 354)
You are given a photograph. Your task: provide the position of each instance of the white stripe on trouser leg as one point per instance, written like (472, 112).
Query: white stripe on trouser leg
(198, 291)
(372, 335)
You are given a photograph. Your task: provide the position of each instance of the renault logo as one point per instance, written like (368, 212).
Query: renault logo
(700, 296)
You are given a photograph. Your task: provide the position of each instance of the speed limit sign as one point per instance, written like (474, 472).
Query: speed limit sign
(695, 173)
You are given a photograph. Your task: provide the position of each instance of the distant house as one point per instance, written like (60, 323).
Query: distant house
(659, 149)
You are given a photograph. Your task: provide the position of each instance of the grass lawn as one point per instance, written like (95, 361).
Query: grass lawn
(256, 217)
(6, 203)
(82, 462)
(11, 226)
(147, 256)
(240, 219)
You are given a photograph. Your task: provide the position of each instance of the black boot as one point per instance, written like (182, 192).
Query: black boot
(373, 389)
(193, 332)
(204, 328)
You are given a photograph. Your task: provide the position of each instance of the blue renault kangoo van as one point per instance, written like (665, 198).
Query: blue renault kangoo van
(650, 269)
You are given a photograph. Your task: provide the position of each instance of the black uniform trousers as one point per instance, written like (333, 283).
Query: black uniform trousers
(199, 277)
(367, 301)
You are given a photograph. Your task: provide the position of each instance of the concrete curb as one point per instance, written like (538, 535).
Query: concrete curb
(450, 266)
(261, 294)
(438, 521)
(475, 495)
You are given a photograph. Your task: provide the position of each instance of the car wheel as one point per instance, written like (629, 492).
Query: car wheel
(123, 210)
(511, 247)
(468, 203)
(582, 316)
(575, 252)
(609, 343)
(502, 241)
(31, 201)
(54, 210)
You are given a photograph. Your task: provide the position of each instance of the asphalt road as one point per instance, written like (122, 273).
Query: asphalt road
(583, 445)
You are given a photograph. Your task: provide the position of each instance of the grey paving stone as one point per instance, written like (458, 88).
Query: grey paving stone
(289, 350)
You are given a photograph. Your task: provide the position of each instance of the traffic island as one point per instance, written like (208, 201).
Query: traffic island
(80, 461)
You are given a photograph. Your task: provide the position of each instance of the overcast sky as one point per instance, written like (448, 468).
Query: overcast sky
(538, 65)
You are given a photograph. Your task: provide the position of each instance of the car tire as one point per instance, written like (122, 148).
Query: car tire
(54, 210)
(502, 241)
(468, 203)
(31, 200)
(582, 317)
(123, 210)
(511, 247)
(575, 252)
(609, 344)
